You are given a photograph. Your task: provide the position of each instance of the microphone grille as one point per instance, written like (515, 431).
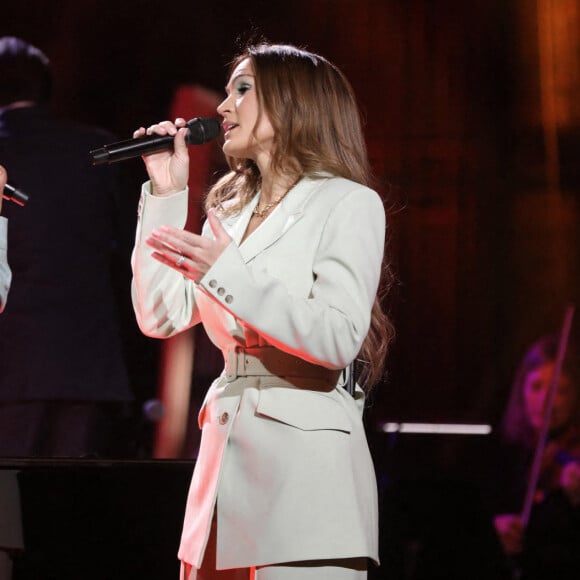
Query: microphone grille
(202, 130)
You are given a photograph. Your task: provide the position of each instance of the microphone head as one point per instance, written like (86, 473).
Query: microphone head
(202, 130)
(14, 194)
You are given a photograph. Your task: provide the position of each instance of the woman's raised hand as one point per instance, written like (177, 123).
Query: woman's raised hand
(168, 170)
(190, 254)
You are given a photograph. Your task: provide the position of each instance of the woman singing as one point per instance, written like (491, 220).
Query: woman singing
(284, 278)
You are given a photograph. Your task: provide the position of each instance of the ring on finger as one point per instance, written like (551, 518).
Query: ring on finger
(179, 261)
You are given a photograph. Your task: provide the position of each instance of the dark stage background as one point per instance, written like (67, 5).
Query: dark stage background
(473, 125)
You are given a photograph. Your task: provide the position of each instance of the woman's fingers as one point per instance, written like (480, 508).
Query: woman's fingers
(191, 254)
(161, 128)
(180, 240)
(184, 265)
(177, 246)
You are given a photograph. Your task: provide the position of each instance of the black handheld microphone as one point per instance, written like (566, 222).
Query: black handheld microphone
(201, 130)
(14, 194)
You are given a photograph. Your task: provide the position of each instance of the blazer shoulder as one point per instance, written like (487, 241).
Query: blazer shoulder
(336, 190)
(340, 186)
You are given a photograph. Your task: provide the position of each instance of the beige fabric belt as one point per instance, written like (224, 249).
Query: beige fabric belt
(269, 361)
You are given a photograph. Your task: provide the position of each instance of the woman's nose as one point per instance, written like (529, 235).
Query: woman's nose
(223, 106)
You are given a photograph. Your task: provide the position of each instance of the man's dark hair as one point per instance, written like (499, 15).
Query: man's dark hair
(25, 72)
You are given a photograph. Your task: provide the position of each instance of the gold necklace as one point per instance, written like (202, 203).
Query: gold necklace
(262, 212)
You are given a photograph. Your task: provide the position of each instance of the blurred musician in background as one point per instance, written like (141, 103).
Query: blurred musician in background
(549, 547)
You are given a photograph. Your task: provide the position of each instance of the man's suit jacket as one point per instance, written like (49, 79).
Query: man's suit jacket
(285, 459)
(59, 337)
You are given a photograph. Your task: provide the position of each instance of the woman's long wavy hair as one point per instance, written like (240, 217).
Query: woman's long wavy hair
(516, 426)
(317, 128)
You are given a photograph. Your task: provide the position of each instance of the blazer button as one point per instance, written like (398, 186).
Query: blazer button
(212, 283)
(224, 417)
(229, 299)
(221, 291)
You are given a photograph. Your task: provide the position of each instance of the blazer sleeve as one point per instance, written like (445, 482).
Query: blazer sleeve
(5, 272)
(163, 299)
(328, 326)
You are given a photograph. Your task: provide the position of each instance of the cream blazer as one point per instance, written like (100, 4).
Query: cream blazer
(284, 462)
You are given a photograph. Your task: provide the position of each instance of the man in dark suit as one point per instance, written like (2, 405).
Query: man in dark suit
(63, 379)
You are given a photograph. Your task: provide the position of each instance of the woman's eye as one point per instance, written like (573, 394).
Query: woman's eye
(243, 89)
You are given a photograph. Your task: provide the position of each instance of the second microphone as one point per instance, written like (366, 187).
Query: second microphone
(201, 130)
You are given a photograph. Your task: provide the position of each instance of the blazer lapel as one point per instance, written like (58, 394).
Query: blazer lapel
(236, 224)
(289, 212)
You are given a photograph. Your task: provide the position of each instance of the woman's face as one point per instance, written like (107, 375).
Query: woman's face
(536, 389)
(240, 113)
